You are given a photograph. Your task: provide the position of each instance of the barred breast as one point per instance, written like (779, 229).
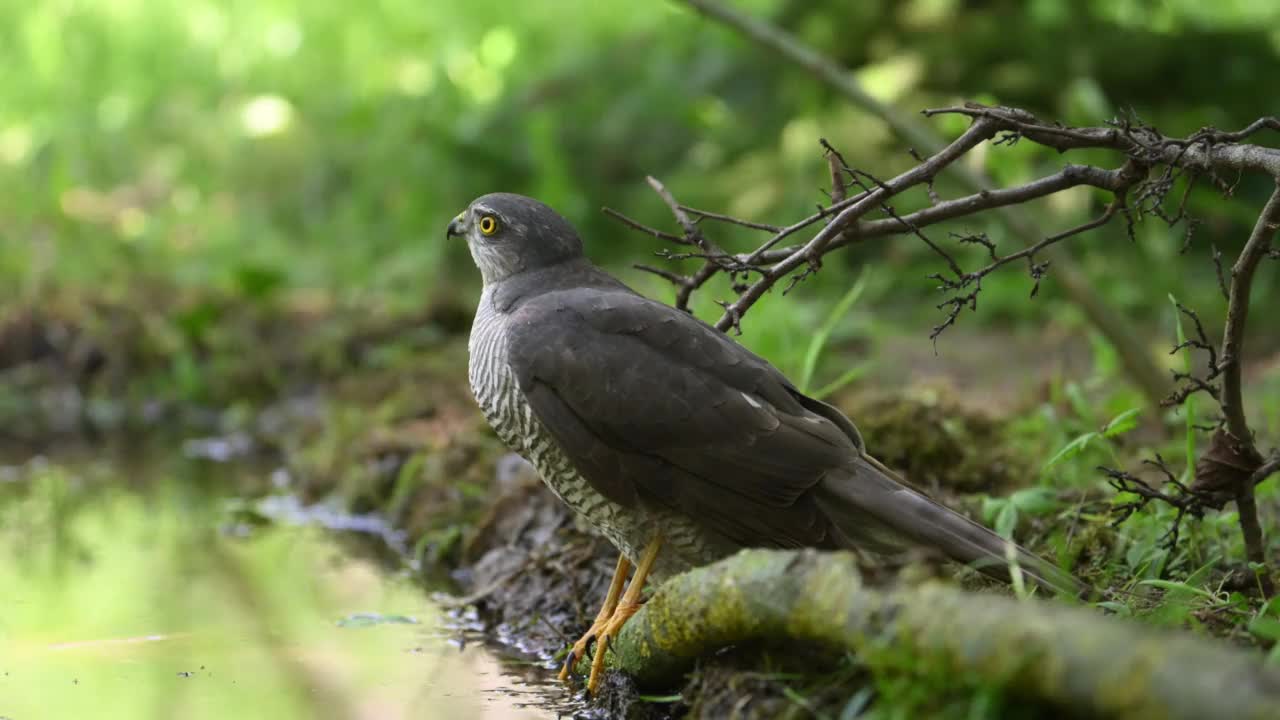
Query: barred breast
(496, 391)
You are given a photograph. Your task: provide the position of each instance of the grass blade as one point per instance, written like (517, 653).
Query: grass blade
(823, 334)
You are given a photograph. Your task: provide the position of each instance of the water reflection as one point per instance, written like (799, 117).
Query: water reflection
(118, 602)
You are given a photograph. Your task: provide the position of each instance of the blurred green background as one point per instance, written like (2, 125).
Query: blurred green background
(214, 205)
(311, 153)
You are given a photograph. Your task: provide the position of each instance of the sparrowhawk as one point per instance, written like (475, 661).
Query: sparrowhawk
(677, 443)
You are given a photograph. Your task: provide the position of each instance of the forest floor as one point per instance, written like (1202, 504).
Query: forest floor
(376, 416)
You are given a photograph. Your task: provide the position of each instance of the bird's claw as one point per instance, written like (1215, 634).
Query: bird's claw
(620, 617)
(603, 630)
(580, 648)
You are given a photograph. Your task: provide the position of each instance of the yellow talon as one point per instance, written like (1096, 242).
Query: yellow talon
(626, 607)
(615, 613)
(602, 618)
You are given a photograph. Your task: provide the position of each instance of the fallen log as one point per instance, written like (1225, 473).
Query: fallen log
(1069, 656)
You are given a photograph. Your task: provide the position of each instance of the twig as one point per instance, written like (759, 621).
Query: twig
(1222, 278)
(637, 225)
(705, 273)
(816, 245)
(691, 231)
(1068, 177)
(973, 279)
(676, 279)
(1199, 152)
(1232, 401)
(693, 234)
(1186, 500)
(1194, 383)
(731, 219)
(918, 136)
(1267, 469)
(836, 167)
(1238, 312)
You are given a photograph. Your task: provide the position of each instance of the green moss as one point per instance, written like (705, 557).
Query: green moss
(1054, 653)
(939, 443)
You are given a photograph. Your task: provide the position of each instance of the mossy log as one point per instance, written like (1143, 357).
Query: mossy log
(1070, 656)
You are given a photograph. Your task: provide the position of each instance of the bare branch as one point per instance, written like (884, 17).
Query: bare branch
(1186, 500)
(705, 273)
(862, 204)
(1267, 469)
(676, 279)
(836, 166)
(1238, 312)
(919, 136)
(1217, 136)
(970, 300)
(978, 239)
(1069, 177)
(1232, 400)
(691, 231)
(731, 219)
(1205, 151)
(637, 225)
(1222, 278)
(1030, 252)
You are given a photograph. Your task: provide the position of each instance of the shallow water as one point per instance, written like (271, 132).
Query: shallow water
(128, 596)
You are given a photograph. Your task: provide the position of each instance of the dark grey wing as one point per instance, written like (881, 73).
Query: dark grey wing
(649, 402)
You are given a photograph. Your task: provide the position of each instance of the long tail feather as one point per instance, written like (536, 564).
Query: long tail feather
(875, 511)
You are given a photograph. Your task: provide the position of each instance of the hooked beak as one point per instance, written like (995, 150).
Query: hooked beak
(455, 227)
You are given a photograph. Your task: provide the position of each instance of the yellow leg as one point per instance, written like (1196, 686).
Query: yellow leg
(602, 618)
(627, 607)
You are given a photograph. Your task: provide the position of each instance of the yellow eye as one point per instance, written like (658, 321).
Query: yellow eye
(488, 225)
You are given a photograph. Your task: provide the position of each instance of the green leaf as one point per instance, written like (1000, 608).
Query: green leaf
(991, 507)
(1035, 500)
(1007, 520)
(1116, 607)
(1267, 628)
(1172, 586)
(1122, 423)
(1071, 449)
(677, 697)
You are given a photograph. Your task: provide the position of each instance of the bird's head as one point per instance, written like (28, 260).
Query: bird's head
(510, 234)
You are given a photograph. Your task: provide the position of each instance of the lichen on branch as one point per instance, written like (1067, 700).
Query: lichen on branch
(1062, 655)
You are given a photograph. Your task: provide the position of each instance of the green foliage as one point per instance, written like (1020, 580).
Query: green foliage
(1003, 513)
(1115, 427)
(237, 199)
(282, 148)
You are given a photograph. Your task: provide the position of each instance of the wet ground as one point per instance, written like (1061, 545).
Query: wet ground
(138, 588)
